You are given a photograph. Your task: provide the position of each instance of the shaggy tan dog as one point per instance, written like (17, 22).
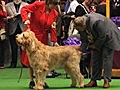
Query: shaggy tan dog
(45, 58)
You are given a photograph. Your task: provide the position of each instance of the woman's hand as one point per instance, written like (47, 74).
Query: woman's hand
(55, 44)
(27, 22)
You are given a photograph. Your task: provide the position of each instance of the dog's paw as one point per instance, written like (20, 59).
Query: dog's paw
(73, 86)
(38, 88)
(81, 86)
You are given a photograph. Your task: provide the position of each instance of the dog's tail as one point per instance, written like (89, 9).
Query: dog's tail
(78, 48)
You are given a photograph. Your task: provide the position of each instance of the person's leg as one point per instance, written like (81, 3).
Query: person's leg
(107, 65)
(96, 65)
(96, 68)
(1, 55)
(14, 49)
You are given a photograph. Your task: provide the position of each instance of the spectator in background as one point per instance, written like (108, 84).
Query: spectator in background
(67, 6)
(3, 15)
(15, 26)
(83, 8)
(62, 7)
(59, 22)
(115, 12)
(69, 16)
(101, 7)
(42, 21)
(114, 8)
(73, 5)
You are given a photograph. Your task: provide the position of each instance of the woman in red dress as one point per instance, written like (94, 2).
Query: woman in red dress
(42, 21)
(3, 15)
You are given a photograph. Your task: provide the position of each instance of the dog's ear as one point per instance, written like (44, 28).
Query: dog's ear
(30, 32)
(33, 46)
(26, 35)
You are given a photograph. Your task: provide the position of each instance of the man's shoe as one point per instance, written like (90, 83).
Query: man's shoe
(106, 84)
(31, 84)
(12, 66)
(55, 74)
(50, 75)
(91, 84)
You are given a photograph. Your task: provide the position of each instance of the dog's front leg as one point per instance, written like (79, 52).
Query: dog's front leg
(40, 78)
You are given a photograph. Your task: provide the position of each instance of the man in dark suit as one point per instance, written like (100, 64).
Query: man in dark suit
(104, 37)
(15, 26)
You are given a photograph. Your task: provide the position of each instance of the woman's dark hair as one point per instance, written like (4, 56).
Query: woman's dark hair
(55, 2)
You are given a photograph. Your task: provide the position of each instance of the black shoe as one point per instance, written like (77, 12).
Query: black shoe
(56, 74)
(12, 66)
(50, 75)
(31, 84)
(46, 86)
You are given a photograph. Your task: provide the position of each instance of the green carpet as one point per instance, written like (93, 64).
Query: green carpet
(9, 78)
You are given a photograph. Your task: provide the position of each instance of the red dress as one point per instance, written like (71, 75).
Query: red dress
(41, 24)
(3, 15)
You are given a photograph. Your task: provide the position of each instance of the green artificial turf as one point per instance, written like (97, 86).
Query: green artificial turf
(9, 78)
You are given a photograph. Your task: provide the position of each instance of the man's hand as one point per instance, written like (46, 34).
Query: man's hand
(93, 47)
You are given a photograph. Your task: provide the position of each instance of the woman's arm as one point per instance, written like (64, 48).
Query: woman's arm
(31, 8)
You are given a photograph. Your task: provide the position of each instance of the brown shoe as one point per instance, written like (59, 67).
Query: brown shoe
(106, 84)
(91, 84)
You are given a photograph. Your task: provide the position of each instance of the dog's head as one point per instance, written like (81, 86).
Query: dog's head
(25, 39)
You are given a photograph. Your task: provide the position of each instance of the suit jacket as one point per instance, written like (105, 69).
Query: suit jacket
(105, 33)
(13, 23)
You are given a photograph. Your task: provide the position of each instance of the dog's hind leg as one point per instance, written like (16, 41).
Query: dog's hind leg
(74, 71)
(74, 81)
(79, 76)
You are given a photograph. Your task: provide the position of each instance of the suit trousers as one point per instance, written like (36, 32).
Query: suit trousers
(102, 59)
(2, 49)
(14, 47)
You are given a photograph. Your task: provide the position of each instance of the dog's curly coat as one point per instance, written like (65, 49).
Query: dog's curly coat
(45, 58)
